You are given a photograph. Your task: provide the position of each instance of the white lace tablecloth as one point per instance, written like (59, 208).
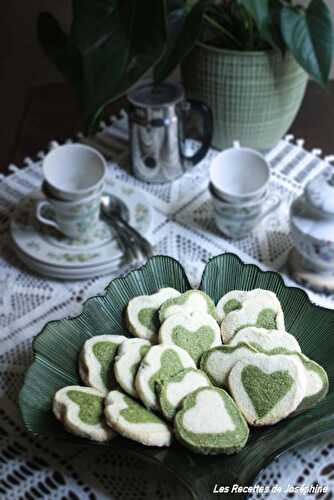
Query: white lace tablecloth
(183, 228)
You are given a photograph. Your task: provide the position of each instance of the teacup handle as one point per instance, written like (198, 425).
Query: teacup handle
(275, 202)
(40, 217)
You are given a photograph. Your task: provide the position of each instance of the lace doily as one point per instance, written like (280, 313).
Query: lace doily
(183, 228)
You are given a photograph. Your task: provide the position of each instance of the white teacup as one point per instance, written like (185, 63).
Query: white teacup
(239, 174)
(73, 171)
(75, 219)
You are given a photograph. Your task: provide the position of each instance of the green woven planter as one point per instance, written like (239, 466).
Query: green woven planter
(254, 96)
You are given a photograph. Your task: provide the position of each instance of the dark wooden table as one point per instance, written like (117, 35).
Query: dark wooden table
(52, 113)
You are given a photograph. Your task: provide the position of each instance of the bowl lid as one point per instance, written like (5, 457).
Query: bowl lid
(320, 192)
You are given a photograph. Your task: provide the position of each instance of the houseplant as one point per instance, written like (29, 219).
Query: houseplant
(222, 45)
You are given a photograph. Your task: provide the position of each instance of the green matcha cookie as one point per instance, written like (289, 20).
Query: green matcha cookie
(175, 389)
(80, 410)
(130, 419)
(316, 379)
(129, 356)
(142, 313)
(239, 309)
(218, 362)
(195, 333)
(96, 361)
(317, 384)
(210, 423)
(159, 364)
(267, 389)
(272, 341)
(189, 302)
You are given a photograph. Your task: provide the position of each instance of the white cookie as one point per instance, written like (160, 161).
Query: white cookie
(96, 361)
(160, 363)
(268, 388)
(218, 361)
(239, 309)
(268, 340)
(127, 361)
(195, 333)
(142, 313)
(189, 302)
(130, 419)
(175, 389)
(81, 411)
(209, 422)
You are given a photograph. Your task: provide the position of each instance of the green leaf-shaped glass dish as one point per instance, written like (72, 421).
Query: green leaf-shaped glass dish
(56, 351)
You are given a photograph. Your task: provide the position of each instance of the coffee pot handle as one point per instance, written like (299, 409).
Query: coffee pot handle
(204, 111)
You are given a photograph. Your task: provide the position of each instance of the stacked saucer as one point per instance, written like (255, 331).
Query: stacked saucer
(48, 252)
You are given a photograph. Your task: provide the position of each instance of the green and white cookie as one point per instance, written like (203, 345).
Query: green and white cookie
(316, 380)
(96, 361)
(267, 389)
(159, 364)
(218, 361)
(174, 390)
(239, 309)
(210, 423)
(81, 411)
(195, 333)
(317, 384)
(127, 361)
(130, 419)
(189, 302)
(268, 340)
(142, 313)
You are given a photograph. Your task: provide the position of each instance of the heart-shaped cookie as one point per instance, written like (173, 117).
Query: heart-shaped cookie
(259, 339)
(267, 389)
(316, 378)
(218, 361)
(210, 423)
(133, 421)
(175, 389)
(195, 333)
(142, 313)
(189, 302)
(127, 361)
(96, 361)
(240, 309)
(81, 411)
(160, 363)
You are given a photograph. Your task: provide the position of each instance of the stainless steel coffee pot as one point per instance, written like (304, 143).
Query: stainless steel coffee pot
(157, 117)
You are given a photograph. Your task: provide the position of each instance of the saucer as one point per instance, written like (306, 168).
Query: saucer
(321, 282)
(50, 253)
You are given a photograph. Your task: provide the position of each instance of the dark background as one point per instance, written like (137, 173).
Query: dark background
(38, 106)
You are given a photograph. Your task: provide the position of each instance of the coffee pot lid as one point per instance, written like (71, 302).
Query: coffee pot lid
(148, 95)
(320, 192)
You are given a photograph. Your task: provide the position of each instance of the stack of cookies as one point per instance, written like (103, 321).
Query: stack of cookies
(194, 370)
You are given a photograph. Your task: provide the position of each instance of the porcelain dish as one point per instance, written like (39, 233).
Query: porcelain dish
(48, 252)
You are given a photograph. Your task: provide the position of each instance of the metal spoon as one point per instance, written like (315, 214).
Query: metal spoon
(116, 210)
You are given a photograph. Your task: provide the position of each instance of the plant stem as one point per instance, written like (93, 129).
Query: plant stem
(222, 30)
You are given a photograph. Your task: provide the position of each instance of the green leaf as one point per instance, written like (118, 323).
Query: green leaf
(183, 28)
(110, 48)
(60, 49)
(309, 36)
(259, 10)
